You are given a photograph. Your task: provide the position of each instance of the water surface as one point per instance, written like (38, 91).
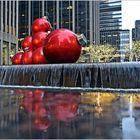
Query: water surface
(42, 114)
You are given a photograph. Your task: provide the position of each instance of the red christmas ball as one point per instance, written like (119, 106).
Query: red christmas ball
(38, 56)
(41, 24)
(17, 58)
(38, 39)
(26, 44)
(27, 57)
(62, 46)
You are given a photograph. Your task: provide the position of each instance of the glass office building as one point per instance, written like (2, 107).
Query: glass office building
(111, 26)
(110, 15)
(8, 30)
(110, 22)
(137, 30)
(78, 16)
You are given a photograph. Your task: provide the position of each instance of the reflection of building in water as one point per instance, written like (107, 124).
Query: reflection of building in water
(103, 116)
(8, 110)
(129, 128)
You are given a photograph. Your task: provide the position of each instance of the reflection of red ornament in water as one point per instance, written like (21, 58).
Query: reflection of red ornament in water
(39, 109)
(27, 57)
(38, 39)
(41, 24)
(61, 46)
(38, 56)
(16, 59)
(38, 95)
(65, 111)
(26, 44)
(19, 92)
(27, 104)
(63, 106)
(41, 123)
(27, 93)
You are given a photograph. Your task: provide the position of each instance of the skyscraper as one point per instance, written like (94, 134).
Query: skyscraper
(133, 34)
(78, 16)
(111, 25)
(137, 30)
(8, 30)
(110, 15)
(110, 22)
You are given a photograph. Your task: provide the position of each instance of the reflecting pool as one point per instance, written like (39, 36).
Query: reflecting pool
(41, 114)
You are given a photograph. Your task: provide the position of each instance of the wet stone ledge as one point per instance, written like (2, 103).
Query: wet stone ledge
(106, 75)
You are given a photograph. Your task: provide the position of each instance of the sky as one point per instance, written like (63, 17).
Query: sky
(130, 13)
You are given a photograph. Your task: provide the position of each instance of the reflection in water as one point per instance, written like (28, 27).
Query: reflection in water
(128, 123)
(62, 106)
(41, 114)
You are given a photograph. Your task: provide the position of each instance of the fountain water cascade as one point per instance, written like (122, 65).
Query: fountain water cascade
(93, 75)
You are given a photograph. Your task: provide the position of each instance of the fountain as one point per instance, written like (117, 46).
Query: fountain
(93, 75)
(64, 46)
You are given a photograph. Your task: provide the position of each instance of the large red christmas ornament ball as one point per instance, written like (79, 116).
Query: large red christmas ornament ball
(62, 46)
(41, 24)
(16, 59)
(38, 56)
(38, 39)
(26, 44)
(27, 57)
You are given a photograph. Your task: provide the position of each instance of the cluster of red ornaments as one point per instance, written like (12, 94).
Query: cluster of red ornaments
(46, 46)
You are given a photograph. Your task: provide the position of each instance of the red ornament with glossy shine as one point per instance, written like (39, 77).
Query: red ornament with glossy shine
(62, 46)
(38, 39)
(41, 24)
(17, 58)
(26, 44)
(38, 56)
(27, 57)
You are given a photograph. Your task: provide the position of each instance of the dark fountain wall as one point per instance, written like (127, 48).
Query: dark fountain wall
(106, 75)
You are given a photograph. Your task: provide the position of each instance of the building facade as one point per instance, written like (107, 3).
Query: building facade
(133, 34)
(110, 15)
(137, 30)
(124, 44)
(118, 39)
(78, 16)
(110, 22)
(111, 26)
(8, 30)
